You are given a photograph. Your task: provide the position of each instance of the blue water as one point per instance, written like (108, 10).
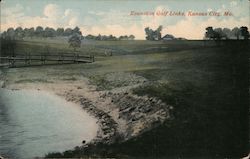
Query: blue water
(33, 123)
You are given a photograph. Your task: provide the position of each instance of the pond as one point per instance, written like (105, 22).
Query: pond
(34, 123)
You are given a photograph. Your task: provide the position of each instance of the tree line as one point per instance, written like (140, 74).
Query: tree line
(20, 33)
(226, 33)
(109, 37)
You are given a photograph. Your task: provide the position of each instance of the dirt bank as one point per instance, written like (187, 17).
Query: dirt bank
(121, 115)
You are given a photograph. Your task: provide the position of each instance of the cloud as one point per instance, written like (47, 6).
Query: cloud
(155, 21)
(97, 13)
(53, 16)
(118, 22)
(192, 29)
(118, 30)
(52, 11)
(233, 3)
(12, 13)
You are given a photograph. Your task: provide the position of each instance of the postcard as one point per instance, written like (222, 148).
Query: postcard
(153, 79)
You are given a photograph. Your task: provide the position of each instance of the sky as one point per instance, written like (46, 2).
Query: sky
(114, 17)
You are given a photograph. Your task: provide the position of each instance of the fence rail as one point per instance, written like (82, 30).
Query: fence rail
(43, 59)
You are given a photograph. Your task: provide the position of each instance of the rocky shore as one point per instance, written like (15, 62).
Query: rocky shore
(121, 114)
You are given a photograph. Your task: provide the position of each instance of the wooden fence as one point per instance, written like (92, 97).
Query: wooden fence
(43, 59)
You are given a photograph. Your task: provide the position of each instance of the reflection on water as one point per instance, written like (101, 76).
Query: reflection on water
(33, 123)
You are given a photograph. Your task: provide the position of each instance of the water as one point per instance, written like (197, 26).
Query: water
(33, 123)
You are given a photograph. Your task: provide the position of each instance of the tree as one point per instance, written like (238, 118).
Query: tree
(92, 37)
(153, 34)
(75, 41)
(131, 37)
(11, 33)
(244, 32)
(215, 34)
(110, 37)
(227, 32)
(19, 33)
(68, 32)
(31, 32)
(149, 32)
(4, 35)
(49, 32)
(219, 34)
(59, 31)
(158, 32)
(99, 37)
(39, 31)
(76, 30)
(209, 32)
(236, 32)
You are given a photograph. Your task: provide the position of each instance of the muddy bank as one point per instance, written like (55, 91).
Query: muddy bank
(121, 114)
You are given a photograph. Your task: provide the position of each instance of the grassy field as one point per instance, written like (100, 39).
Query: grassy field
(55, 45)
(206, 84)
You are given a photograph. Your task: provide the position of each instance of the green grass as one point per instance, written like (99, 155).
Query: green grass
(98, 48)
(208, 91)
(207, 87)
(210, 105)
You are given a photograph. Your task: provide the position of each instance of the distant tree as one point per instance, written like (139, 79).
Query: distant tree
(11, 33)
(4, 35)
(59, 31)
(209, 33)
(149, 32)
(68, 32)
(49, 32)
(219, 34)
(26, 32)
(39, 31)
(99, 37)
(19, 33)
(131, 37)
(227, 32)
(215, 34)
(105, 37)
(75, 41)
(158, 32)
(236, 32)
(76, 30)
(31, 32)
(153, 34)
(46, 32)
(111, 37)
(244, 32)
(90, 37)
(120, 37)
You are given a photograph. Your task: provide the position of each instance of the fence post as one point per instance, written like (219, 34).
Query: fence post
(41, 59)
(29, 59)
(74, 57)
(58, 58)
(9, 61)
(26, 58)
(44, 58)
(13, 62)
(62, 57)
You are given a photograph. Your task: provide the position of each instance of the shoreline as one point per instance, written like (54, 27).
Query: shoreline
(121, 115)
(106, 125)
